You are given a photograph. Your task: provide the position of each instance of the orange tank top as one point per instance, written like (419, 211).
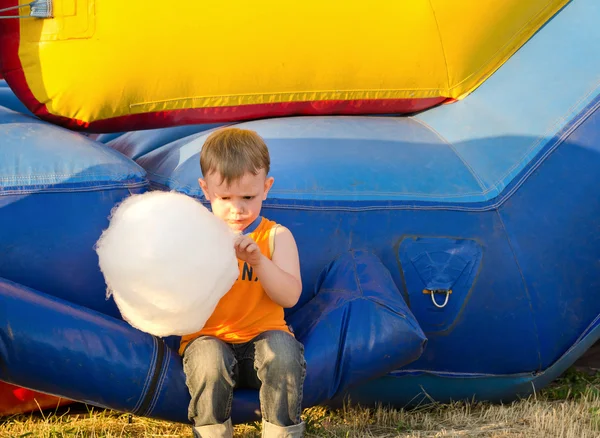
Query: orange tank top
(246, 310)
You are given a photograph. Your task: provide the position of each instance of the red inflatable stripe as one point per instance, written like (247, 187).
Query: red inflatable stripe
(249, 112)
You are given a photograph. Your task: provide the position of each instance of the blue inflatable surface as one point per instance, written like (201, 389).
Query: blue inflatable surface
(105, 362)
(138, 143)
(57, 189)
(453, 253)
(494, 198)
(10, 101)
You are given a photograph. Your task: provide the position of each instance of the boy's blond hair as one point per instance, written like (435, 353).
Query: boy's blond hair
(232, 152)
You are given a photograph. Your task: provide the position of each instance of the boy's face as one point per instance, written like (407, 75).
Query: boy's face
(239, 203)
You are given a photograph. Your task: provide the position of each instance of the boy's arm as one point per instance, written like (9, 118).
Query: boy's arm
(280, 276)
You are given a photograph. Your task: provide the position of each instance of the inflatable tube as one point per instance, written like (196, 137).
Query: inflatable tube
(105, 138)
(357, 327)
(87, 356)
(220, 62)
(63, 185)
(15, 400)
(57, 189)
(138, 143)
(90, 357)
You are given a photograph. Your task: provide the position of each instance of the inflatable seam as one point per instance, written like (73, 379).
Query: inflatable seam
(159, 386)
(150, 392)
(437, 27)
(28, 190)
(592, 329)
(546, 138)
(525, 289)
(339, 357)
(175, 184)
(235, 100)
(148, 375)
(553, 144)
(451, 374)
(589, 329)
(348, 301)
(458, 155)
(47, 176)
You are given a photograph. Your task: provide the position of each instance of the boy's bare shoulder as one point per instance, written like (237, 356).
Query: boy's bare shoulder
(283, 235)
(285, 252)
(280, 229)
(284, 241)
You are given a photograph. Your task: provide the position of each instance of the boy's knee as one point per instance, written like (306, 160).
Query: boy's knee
(280, 354)
(208, 359)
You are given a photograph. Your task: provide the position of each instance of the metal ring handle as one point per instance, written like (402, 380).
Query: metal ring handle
(435, 302)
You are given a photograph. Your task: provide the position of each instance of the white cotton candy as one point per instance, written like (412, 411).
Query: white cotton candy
(167, 261)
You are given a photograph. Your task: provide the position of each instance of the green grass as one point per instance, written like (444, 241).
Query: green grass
(572, 385)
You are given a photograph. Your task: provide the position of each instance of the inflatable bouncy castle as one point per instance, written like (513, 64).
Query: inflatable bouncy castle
(436, 161)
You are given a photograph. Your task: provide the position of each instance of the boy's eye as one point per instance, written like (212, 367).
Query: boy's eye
(248, 197)
(225, 198)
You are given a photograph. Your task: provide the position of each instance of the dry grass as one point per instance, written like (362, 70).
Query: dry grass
(569, 409)
(528, 418)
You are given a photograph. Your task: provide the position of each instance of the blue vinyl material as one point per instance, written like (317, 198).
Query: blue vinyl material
(105, 138)
(137, 143)
(57, 189)
(346, 330)
(108, 363)
(338, 174)
(490, 329)
(495, 197)
(531, 98)
(468, 179)
(360, 323)
(444, 267)
(10, 101)
(397, 388)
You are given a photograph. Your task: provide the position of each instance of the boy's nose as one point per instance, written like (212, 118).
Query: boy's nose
(237, 208)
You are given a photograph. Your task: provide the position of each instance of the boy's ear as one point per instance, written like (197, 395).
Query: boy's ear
(268, 184)
(204, 188)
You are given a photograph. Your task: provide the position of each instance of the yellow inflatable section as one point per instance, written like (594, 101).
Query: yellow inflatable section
(114, 64)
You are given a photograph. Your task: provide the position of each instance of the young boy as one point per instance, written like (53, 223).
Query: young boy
(246, 341)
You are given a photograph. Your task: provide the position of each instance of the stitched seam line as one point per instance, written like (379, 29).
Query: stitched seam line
(302, 96)
(95, 188)
(437, 26)
(525, 288)
(451, 146)
(161, 381)
(148, 375)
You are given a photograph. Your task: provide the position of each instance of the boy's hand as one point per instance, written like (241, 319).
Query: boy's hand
(247, 250)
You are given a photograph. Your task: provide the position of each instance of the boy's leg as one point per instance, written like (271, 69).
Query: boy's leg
(210, 366)
(280, 367)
